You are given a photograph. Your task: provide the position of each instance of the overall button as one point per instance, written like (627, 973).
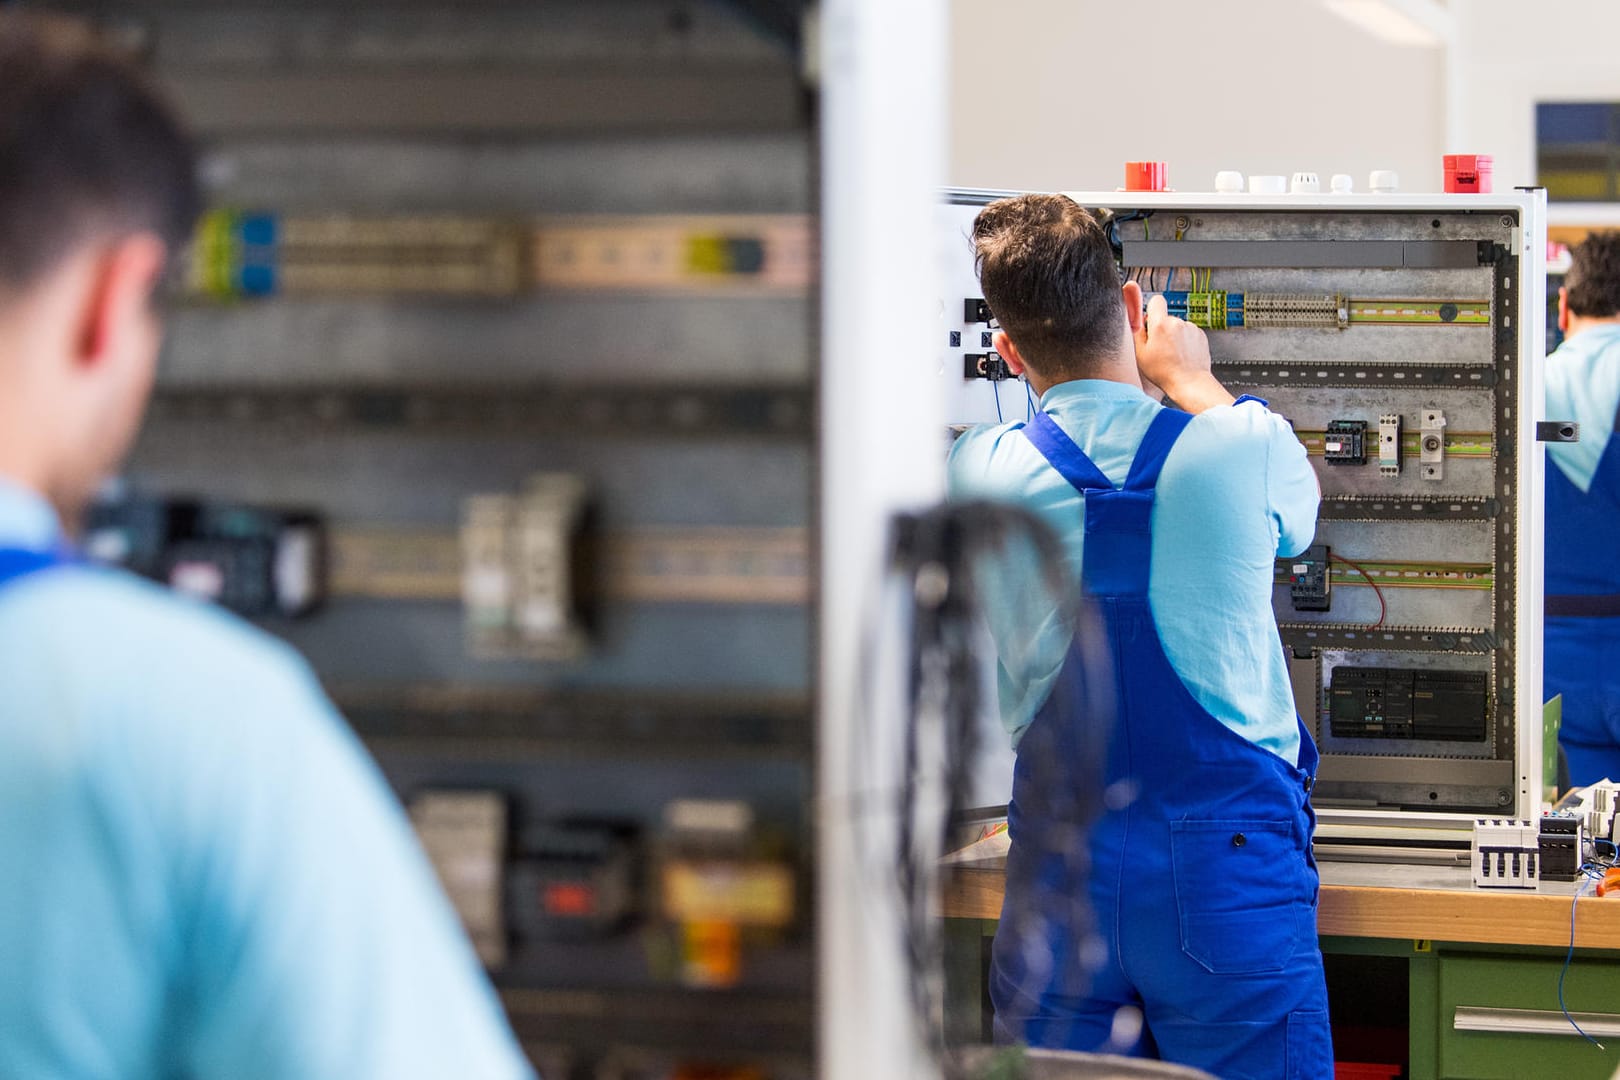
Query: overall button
(1238, 839)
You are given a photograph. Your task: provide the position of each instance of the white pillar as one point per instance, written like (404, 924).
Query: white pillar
(882, 65)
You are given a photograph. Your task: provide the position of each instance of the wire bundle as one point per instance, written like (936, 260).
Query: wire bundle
(942, 556)
(1590, 872)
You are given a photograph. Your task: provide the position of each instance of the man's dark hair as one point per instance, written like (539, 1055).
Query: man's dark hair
(1593, 281)
(88, 149)
(1049, 277)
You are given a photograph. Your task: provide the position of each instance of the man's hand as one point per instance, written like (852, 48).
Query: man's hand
(1174, 354)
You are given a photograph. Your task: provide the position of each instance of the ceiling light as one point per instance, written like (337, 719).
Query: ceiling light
(1391, 21)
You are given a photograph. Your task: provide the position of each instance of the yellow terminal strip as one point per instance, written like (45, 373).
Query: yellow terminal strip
(1414, 575)
(1420, 312)
(1467, 444)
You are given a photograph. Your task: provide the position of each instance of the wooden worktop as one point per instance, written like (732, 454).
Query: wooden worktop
(1382, 901)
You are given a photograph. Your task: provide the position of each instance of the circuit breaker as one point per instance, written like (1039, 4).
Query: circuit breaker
(1504, 854)
(1399, 335)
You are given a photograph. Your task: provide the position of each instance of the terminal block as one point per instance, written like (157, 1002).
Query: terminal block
(1345, 442)
(975, 310)
(1505, 854)
(1432, 445)
(1389, 444)
(1309, 585)
(1218, 310)
(1295, 310)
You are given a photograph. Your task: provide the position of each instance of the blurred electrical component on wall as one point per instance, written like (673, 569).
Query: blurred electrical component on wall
(526, 306)
(763, 252)
(719, 886)
(632, 1065)
(254, 560)
(257, 254)
(241, 254)
(575, 881)
(464, 835)
(523, 570)
(723, 884)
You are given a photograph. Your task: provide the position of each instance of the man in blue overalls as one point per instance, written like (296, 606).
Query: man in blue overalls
(1199, 939)
(1583, 514)
(201, 873)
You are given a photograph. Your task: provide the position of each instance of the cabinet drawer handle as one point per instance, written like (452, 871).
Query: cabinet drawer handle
(1535, 1021)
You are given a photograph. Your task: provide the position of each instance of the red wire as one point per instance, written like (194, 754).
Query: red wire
(1382, 609)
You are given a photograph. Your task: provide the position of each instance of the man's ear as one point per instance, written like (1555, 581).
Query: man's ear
(1132, 294)
(1009, 352)
(123, 275)
(1563, 310)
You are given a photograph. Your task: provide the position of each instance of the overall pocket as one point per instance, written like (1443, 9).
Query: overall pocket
(1310, 1045)
(1240, 893)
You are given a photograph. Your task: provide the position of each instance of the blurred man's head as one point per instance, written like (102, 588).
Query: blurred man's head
(1591, 292)
(97, 191)
(1049, 277)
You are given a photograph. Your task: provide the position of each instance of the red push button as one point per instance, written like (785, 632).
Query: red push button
(1468, 174)
(1147, 176)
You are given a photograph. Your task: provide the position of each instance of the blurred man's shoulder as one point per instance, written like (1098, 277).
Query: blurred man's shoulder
(108, 620)
(116, 685)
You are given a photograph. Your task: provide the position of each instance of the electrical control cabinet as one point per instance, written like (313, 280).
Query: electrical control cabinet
(505, 417)
(1401, 337)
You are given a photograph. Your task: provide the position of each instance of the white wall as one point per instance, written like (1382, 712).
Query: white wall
(1055, 94)
(1512, 54)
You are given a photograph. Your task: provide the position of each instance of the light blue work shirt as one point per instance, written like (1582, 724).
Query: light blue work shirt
(1583, 384)
(1237, 491)
(201, 872)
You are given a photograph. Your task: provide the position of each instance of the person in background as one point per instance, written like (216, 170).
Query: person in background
(204, 875)
(1200, 940)
(1583, 514)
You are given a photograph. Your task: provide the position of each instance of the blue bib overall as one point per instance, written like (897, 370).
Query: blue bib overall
(1583, 614)
(1201, 919)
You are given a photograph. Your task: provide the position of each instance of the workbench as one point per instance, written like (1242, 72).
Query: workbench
(1480, 967)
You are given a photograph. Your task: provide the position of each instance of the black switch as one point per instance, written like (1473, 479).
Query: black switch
(985, 366)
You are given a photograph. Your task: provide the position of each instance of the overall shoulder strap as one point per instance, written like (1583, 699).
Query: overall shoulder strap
(1161, 435)
(1064, 456)
(19, 562)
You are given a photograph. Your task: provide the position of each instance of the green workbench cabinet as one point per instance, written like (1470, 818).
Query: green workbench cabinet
(1442, 977)
(1458, 990)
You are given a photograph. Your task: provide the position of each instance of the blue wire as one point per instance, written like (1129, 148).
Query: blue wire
(1570, 955)
(996, 386)
(1029, 401)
